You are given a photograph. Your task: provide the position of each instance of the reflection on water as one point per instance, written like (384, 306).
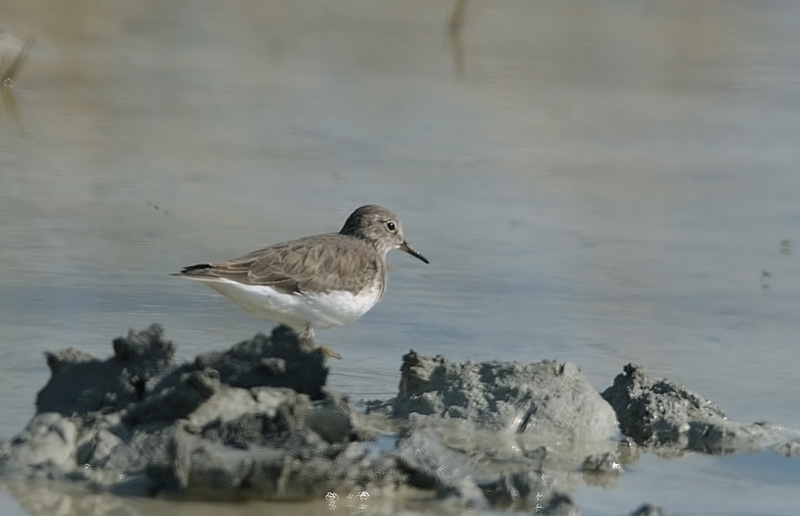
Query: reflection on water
(593, 182)
(456, 29)
(41, 499)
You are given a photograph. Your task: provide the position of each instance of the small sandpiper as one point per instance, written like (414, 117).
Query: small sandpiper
(315, 282)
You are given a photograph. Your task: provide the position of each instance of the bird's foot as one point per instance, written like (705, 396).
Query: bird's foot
(328, 352)
(307, 338)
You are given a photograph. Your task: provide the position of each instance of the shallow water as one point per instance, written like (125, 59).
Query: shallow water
(599, 183)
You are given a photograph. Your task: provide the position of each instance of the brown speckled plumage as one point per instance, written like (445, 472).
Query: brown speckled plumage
(317, 263)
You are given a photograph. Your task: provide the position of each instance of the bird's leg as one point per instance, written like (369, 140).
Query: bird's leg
(308, 337)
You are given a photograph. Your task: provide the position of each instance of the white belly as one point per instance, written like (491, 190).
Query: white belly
(298, 311)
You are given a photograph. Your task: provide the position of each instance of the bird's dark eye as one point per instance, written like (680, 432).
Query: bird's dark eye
(391, 226)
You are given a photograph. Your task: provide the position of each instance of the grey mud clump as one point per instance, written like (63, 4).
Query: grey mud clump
(252, 421)
(664, 414)
(546, 398)
(257, 421)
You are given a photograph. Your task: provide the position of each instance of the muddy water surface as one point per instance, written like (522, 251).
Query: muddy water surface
(593, 183)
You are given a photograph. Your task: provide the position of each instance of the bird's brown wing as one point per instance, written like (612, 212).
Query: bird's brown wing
(312, 264)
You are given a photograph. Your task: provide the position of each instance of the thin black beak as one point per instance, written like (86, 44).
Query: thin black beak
(413, 252)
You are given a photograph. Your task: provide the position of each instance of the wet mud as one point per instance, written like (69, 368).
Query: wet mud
(256, 421)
